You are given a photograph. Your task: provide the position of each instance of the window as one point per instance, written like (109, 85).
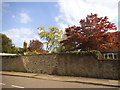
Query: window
(110, 55)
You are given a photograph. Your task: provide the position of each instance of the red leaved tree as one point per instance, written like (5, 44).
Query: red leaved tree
(92, 34)
(37, 46)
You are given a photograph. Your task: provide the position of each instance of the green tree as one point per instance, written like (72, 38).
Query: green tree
(52, 37)
(20, 50)
(7, 46)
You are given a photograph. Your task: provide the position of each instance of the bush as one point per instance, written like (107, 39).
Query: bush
(95, 53)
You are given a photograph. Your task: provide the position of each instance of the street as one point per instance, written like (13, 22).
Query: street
(24, 82)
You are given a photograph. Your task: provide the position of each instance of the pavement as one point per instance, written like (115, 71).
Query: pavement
(94, 81)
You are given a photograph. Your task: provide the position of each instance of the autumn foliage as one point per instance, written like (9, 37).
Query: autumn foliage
(36, 46)
(93, 33)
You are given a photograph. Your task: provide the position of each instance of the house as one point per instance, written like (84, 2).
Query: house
(110, 55)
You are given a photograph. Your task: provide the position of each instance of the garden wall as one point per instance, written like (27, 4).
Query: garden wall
(13, 63)
(63, 64)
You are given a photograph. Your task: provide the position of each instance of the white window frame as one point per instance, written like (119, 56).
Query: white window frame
(113, 55)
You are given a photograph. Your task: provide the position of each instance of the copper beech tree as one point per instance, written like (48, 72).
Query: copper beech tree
(92, 34)
(36, 46)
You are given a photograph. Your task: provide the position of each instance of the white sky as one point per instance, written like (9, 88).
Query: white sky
(71, 11)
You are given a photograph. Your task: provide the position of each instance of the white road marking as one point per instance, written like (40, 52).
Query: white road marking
(17, 86)
(2, 84)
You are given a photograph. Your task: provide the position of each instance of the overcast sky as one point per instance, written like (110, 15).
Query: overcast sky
(21, 19)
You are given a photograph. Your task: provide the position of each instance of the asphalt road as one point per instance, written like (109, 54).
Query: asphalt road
(24, 82)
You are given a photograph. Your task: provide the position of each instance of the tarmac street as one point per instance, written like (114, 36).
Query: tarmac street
(26, 82)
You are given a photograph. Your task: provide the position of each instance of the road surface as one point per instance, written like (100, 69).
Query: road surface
(24, 82)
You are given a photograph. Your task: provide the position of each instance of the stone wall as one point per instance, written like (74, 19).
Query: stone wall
(40, 63)
(13, 63)
(63, 64)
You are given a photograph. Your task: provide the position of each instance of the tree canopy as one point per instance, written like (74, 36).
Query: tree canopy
(7, 46)
(93, 33)
(35, 46)
(52, 37)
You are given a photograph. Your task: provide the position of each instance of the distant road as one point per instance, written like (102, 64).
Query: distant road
(24, 82)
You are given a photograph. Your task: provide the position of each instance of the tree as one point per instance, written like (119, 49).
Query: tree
(52, 37)
(92, 34)
(7, 46)
(35, 46)
(20, 50)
